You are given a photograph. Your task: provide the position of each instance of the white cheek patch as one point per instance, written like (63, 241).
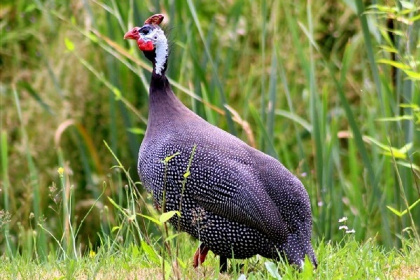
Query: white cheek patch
(161, 44)
(157, 36)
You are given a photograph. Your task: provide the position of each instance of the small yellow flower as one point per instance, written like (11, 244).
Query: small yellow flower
(92, 254)
(60, 171)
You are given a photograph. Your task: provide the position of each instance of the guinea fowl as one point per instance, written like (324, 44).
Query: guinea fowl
(236, 200)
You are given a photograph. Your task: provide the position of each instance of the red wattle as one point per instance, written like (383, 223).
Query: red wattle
(145, 46)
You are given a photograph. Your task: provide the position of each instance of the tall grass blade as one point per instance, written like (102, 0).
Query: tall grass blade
(41, 244)
(228, 116)
(263, 108)
(296, 118)
(272, 97)
(270, 145)
(317, 123)
(370, 52)
(5, 190)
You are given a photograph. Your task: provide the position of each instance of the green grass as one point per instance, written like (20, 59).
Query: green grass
(347, 259)
(330, 89)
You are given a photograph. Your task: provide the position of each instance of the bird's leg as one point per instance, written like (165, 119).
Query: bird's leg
(157, 207)
(223, 264)
(200, 255)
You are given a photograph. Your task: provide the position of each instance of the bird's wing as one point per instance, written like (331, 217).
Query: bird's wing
(238, 196)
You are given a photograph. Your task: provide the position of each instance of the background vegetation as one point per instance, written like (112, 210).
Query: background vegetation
(331, 88)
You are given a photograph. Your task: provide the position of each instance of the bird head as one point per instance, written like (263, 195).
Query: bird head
(150, 35)
(152, 41)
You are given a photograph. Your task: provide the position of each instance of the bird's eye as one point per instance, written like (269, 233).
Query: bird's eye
(144, 30)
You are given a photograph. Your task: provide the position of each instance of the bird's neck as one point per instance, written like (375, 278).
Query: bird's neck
(164, 106)
(165, 109)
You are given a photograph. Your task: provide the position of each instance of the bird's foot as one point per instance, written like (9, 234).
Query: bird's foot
(200, 255)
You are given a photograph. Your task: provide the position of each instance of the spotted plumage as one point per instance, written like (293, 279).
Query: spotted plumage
(235, 199)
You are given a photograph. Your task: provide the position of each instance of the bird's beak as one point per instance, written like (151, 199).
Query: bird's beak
(132, 34)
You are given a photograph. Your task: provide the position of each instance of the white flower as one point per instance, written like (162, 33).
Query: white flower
(351, 231)
(343, 227)
(342, 220)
